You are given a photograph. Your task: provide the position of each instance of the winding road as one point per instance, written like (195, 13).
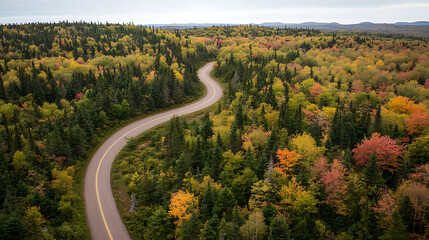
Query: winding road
(101, 211)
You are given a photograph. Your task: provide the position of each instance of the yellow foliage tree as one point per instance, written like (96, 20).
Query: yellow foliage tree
(181, 206)
(63, 180)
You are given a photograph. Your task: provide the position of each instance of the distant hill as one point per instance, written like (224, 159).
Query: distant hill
(419, 29)
(419, 23)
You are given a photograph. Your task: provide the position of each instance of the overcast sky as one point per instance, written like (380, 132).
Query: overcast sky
(214, 11)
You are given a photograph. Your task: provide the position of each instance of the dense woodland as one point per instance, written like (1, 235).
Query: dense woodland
(318, 136)
(63, 88)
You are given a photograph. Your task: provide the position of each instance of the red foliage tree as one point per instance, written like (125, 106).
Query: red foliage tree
(333, 179)
(417, 122)
(387, 152)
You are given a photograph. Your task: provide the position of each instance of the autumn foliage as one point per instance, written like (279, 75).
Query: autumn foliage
(388, 153)
(182, 204)
(402, 104)
(333, 179)
(417, 122)
(287, 160)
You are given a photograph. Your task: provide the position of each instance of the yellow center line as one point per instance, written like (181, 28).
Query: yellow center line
(141, 125)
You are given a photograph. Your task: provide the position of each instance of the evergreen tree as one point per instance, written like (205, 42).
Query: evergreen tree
(269, 212)
(159, 225)
(363, 126)
(302, 230)
(377, 122)
(396, 230)
(207, 203)
(335, 134)
(229, 230)
(206, 130)
(234, 139)
(270, 98)
(239, 117)
(191, 228)
(249, 159)
(372, 173)
(279, 229)
(297, 121)
(210, 229)
(349, 138)
(2, 92)
(405, 209)
(225, 202)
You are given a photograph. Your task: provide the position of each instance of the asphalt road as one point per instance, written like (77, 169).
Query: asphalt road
(101, 211)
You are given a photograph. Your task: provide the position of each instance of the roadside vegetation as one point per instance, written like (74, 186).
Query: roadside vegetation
(318, 136)
(64, 87)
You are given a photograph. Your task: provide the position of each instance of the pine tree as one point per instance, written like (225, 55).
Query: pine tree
(207, 203)
(297, 121)
(270, 98)
(335, 134)
(175, 138)
(269, 212)
(377, 122)
(372, 173)
(191, 228)
(279, 229)
(225, 202)
(2, 92)
(301, 230)
(239, 117)
(405, 209)
(159, 225)
(396, 230)
(363, 126)
(349, 138)
(210, 229)
(206, 130)
(229, 231)
(249, 159)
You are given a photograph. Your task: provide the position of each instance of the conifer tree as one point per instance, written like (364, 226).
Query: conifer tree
(210, 229)
(279, 229)
(396, 230)
(207, 203)
(159, 225)
(377, 122)
(191, 228)
(335, 134)
(372, 173)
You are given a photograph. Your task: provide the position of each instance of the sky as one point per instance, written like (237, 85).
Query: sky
(214, 11)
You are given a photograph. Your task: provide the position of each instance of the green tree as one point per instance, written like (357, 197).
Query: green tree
(190, 229)
(279, 229)
(210, 229)
(207, 203)
(396, 230)
(159, 225)
(372, 173)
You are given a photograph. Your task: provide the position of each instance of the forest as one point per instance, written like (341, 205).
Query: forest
(64, 87)
(319, 136)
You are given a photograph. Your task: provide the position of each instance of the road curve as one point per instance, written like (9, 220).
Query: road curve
(102, 214)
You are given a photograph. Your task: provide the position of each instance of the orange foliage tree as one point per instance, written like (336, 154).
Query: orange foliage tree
(287, 159)
(182, 204)
(403, 105)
